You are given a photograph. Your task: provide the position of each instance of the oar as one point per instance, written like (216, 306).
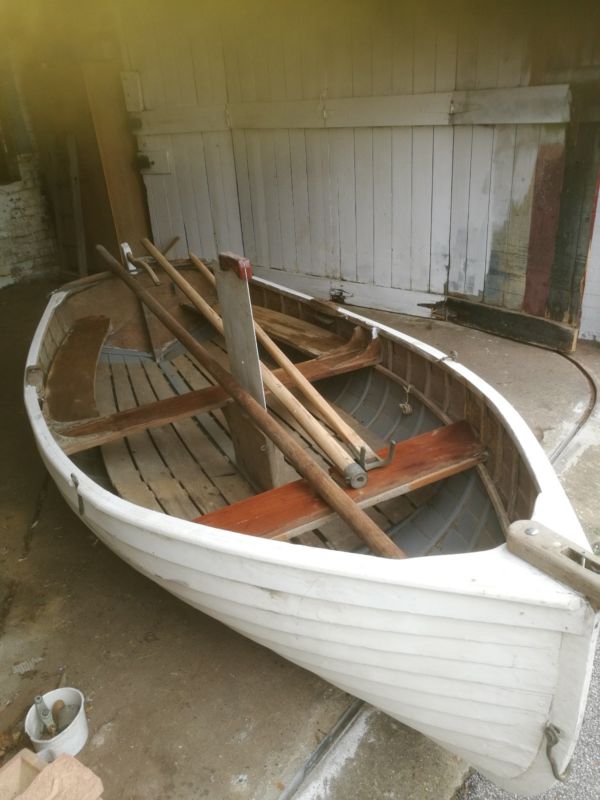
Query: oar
(321, 482)
(327, 412)
(352, 472)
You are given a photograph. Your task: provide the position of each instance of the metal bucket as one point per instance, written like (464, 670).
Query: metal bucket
(72, 738)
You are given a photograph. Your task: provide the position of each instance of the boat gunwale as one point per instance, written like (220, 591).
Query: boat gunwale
(516, 426)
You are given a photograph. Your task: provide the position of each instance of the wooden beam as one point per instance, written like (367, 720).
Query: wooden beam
(76, 206)
(77, 438)
(295, 508)
(545, 211)
(117, 148)
(520, 105)
(255, 454)
(511, 324)
(384, 298)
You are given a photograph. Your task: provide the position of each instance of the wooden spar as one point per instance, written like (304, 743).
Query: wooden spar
(325, 410)
(352, 472)
(322, 483)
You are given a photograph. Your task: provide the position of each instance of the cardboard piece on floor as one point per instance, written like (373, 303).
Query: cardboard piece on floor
(67, 779)
(18, 773)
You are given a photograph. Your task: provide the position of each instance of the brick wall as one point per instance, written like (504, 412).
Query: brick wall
(27, 239)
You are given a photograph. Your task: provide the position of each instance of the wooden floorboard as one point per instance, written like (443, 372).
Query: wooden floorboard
(121, 470)
(214, 423)
(168, 491)
(183, 467)
(217, 466)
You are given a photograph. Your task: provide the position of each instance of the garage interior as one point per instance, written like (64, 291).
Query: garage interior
(435, 166)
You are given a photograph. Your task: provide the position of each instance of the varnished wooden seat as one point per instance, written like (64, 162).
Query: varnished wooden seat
(349, 357)
(290, 510)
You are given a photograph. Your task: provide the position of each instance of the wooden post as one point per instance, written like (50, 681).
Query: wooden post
(116, 148)
(322, 483)
(255, 454)
(317, 401)
(75, 186)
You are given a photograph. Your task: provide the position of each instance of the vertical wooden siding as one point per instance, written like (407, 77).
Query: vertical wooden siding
(412, 210)
(590, 312)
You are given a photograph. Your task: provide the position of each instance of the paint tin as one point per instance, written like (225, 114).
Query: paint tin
(72, 738)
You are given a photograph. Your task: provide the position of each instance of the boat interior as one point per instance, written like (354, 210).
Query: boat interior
(142, 417)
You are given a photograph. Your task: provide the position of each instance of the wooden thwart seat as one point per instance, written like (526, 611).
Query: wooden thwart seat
(70, 383)
(291, 331)
(295, 508)
(116, 426)
(297, 333)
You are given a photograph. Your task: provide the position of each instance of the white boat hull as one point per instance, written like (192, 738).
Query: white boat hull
(479, 651)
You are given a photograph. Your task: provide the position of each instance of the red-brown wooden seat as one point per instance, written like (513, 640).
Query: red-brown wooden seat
(294, 508)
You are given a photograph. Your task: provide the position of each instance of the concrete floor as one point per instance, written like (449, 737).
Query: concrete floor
(180, 707)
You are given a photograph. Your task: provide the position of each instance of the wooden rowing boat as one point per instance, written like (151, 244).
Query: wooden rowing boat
(476, 648)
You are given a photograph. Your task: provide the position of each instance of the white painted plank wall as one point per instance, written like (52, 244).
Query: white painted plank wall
(411, 209)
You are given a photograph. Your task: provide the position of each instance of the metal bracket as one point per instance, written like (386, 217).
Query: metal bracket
(80, 505)
(44, 715)
(451, 356)
(34, 376)
(134, 264)
(552, 734)
(339, 294)
(379, 462)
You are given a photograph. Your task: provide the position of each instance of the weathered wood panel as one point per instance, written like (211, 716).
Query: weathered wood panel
(582, 164)
(536, 104)
(590, 311)
(544, 220)
(396, 151)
